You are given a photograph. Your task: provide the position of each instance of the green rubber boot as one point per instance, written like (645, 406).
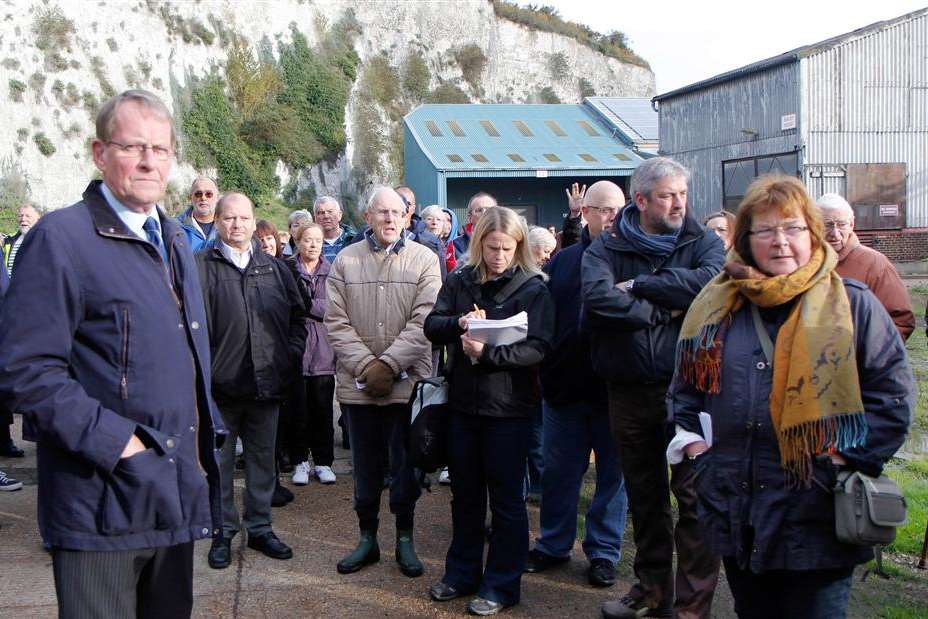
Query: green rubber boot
(406, 557)
(366, 553)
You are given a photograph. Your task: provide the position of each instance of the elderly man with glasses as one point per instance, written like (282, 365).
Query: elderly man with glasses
(197, 220)
(856, 261)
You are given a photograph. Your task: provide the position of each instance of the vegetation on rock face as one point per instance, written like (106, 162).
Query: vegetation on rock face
(472, 61)
(547, 19)
(261, 111)
(45, 145)
(558, 67)
(52, 31)
(17, 88)
(448, 93)
(586, 88)
(547, 95)
(416, 77)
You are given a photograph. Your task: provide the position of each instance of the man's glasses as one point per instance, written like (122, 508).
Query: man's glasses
(767, 234)
(203, 194)
(137, 151)
(604, 210)
(837, 224)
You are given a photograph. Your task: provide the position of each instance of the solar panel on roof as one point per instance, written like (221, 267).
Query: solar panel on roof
(479, 158)
(433, 128)
(456, 129)
(590, 131)
(555, 129)
(552, 157)
(523, 128)
(489, 128)
(587, 157)
(516, 157)
(455, 158)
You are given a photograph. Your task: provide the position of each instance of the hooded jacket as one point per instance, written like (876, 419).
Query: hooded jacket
(633, 334)
(194, 232)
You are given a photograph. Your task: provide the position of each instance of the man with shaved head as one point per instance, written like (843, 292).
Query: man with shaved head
(856, 261)
(198, 219)
(576, 418)
(257, 334)
(380, 290)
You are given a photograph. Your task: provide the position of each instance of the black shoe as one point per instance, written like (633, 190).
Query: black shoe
(284, 464)
(631, 607)
(366, 552)
(281, 496)
(601, 573)
(270, 546)
(220, 553)
(10, 450)
(443, 592)
(539, 561)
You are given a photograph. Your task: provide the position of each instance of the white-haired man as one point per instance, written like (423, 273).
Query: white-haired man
(380, 291)
(867, 265)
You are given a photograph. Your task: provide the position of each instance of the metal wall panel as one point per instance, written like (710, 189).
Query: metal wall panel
(866, 101)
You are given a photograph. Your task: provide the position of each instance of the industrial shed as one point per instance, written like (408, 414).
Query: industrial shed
(847, 115)
(525, 155)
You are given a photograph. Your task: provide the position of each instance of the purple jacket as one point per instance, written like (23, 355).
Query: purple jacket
(318, 358)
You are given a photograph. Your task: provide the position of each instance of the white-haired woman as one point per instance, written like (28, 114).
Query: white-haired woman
(493, 395)
(542, 244)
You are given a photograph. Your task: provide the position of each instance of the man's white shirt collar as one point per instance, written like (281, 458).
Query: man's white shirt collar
(134, 221)
(236, 257)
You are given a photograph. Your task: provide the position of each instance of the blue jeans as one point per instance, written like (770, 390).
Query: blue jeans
(486, 455)
(782, 594)
(571, 432)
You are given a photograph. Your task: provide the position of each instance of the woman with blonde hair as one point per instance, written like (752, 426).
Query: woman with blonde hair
(493, 395)
(802, 373)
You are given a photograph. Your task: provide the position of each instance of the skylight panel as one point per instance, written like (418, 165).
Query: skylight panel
(489, 128)
(456, 128)
(622, 157)
(555, 129)
(479, 158)
(433, 128)
(523, 128)
(588, 157)
(455, 159)
(590, 130)
(552, 157)
(516, 157)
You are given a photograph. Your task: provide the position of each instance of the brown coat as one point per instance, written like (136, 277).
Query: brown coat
(378, 302)
(869, 266)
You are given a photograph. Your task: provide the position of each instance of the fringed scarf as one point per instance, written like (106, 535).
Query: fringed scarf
(815, 402)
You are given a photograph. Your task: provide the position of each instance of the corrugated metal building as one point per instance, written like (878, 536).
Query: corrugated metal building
(525, 155)
(847, 115)
(633, 120)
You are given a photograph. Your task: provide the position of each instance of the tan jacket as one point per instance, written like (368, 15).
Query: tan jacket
(378, 302)
(874, 269)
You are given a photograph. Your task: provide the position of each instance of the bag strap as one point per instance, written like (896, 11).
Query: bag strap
(765, 343)
(518, 279)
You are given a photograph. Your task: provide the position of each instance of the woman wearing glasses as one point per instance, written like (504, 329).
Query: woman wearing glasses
(801, 372)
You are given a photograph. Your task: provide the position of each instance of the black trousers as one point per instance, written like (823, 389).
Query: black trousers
(637, 415)
(311, 425)
(155, 582)
(378, 436)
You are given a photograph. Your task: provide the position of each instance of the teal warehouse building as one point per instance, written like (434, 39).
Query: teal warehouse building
(523, 154)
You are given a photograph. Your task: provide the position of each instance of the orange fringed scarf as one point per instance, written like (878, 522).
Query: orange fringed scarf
(815, 402)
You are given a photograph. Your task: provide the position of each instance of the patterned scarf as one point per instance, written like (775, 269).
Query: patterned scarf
(815, 401)
(657, 245)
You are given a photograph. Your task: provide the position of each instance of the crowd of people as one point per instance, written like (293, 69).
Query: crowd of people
(146, 352)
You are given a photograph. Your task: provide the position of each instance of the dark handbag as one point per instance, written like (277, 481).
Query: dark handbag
(426, 441)
(867, 509)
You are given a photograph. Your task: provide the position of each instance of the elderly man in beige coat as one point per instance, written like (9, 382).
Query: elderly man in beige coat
(380, 291)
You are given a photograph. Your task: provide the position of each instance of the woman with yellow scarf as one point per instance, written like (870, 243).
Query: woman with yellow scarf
(800, 372)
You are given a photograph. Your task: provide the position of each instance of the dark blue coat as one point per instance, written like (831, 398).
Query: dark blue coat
(746, 508)
(634, 335)
(95, 346)
(567, 374)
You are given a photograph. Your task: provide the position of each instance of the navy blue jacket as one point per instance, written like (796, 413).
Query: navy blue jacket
(97, 345)
(567, 374)
(746, 509)
(634, 335)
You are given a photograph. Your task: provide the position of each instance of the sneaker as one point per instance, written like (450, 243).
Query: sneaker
(324, 474)
(8, 484)
(630, 607)
(301, 474)
(601, 572)
(444, 478)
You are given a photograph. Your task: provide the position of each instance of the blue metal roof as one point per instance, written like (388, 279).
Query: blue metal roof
(633, 116)
(516, 138)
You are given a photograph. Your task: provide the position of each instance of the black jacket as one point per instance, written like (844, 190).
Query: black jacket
(746, 509)
(633, 335)
(567, 373)
(504, 382)
(256, 325)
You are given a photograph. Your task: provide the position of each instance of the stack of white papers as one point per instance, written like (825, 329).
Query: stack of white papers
(499, 332)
